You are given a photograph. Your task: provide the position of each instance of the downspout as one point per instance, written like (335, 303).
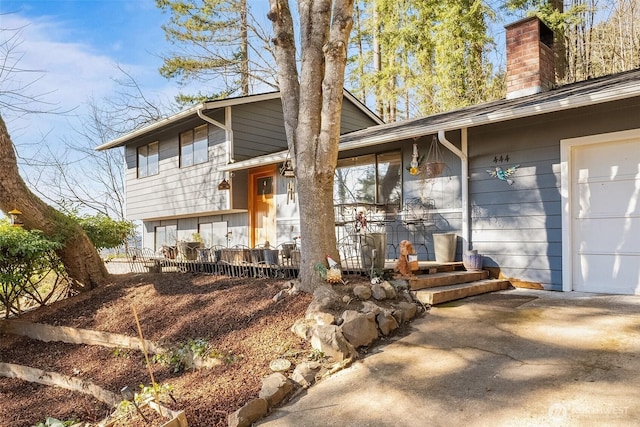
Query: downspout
(464, 184)
(226, 127)
(228, 131)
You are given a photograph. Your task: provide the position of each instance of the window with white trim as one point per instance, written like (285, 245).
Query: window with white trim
(194, 146)
(148, 160)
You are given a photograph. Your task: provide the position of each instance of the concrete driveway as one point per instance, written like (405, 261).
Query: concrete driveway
(510, 358)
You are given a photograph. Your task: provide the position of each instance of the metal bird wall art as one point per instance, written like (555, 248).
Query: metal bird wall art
(503, 174)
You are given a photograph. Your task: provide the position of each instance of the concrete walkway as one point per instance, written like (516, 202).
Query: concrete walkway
(511, 358)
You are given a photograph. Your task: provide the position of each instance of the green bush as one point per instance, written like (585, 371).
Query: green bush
(105, 232)
(29, 268)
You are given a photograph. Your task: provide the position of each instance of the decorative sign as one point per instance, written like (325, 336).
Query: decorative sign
(503, 174)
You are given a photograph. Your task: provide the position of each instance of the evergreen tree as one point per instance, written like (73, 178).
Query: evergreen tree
(217, 42)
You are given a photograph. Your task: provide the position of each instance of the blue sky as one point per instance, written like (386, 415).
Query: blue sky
(77, 45)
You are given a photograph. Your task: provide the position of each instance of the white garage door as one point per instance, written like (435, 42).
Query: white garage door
(606, 217)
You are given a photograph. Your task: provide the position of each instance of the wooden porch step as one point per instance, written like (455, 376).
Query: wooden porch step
(443, 294)
(445, 279)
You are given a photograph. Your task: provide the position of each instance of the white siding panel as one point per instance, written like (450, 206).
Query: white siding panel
(177, 191)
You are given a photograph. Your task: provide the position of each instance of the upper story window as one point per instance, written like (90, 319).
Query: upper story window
(148, 159)
(194, 146)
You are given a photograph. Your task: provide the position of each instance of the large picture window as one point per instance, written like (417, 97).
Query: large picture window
(148, 159)
(194, 146)
(374, 178)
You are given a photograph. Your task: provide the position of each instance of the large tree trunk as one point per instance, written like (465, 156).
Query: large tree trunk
(312, 109)
(79, 256)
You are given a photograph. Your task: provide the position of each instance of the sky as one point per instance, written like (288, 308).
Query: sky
(76, 46)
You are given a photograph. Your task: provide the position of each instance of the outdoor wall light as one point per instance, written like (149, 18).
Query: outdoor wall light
(15, 218)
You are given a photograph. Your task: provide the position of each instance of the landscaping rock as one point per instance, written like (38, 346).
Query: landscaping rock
(305, 373)
(400, 285)
(329, 340)
(405, 296)
(303, 328)
(370, 307)
(280, 295)
(359, 328)
(251, 412)
(323, 298)
(323, 318)
(378, 292)
(275, 388)
(386, 322)
(389, 290)
(405, 311)
(362, 292)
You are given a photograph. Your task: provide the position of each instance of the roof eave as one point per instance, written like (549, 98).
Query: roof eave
(398, 134)
(147, 129)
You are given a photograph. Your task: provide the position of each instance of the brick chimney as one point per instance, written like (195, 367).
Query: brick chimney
(530, 58)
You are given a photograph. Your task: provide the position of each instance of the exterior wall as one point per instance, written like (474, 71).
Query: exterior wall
(258, 129)
(186, 192)
(444, 191)
(176, 191)
(518, 228)
(353, 118)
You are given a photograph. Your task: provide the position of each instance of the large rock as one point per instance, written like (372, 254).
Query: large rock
(304, 328)
(305, 373)
(370, 307)
(329, 340)
(377, 292)
(400, 284)
(362, 292)
(405, 311)
(386, 322)
(405, 296)
(251, 412)
(359, 328)
(324, 298)
(323, 318)
(275, 388)
(389, 290)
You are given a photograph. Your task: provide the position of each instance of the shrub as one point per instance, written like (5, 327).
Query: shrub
(29, 269)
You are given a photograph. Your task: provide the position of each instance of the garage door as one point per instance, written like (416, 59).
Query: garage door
(606, 217)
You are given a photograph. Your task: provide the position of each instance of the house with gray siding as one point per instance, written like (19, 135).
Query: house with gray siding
(568, 216)
(545, 184)
(174, 169)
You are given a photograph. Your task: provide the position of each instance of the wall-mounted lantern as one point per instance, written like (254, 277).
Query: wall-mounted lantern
(15, 218)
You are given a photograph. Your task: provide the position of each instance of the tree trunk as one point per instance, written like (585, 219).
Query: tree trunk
(79, 256)
(312, 109)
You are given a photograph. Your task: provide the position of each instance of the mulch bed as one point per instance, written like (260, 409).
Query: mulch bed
(236, 316)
